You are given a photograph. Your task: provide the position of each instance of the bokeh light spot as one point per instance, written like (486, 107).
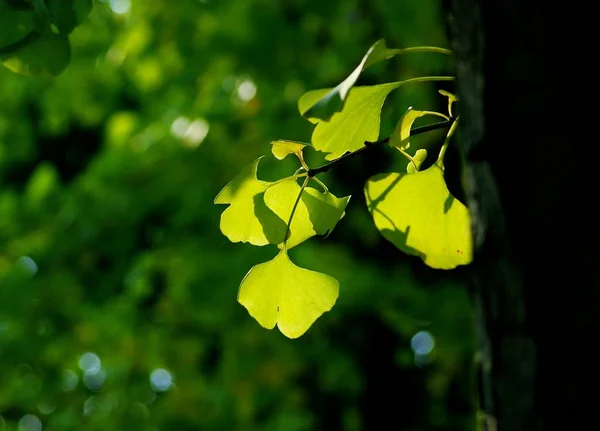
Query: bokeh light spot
(246, 90)
(69, 380)
(161, 380)
(120, 6)
(30, 423)
(89, 363)
(422, 343)
(28, 264)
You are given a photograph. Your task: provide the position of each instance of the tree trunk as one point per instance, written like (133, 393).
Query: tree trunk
(535, 284)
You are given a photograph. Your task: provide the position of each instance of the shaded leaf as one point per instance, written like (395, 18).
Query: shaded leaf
(281, 149)
(401, 134)
(417, 160)
(68, 14)
(316, 213)
(417, 213)
(248, 219)
(322, 105)
(280, 293)
(15, 25)
(47, 54)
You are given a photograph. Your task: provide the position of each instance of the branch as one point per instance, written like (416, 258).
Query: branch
(416, 131)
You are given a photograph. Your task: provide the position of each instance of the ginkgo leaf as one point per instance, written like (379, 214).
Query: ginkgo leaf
(67, 14)
(248, 219)
(417, 213)
(46, 54)
(358, 122)
(451, 99)
(417, 160)
(401, 134)
(316, 213)
(281, 148)
(15, 25)
(280, 293)
(323, 105)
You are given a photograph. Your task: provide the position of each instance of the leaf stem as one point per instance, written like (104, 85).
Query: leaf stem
(416, 131)
(440, 160)
(287, 230)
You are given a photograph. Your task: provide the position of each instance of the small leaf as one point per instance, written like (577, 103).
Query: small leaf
(417, 213)
(316, 213)
(401, 134)
(451, 99)
(248, 219)
(281, 149)
(47, 54)
(418, 159)
(322, 105)
(283, 294)
(68, 14)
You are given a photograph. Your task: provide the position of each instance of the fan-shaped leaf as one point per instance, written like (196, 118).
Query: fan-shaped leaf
(324, 104)
(417, 213)
(401, 134)
(316, 213)
(248, 219)
(281, 149)
(283, 294)
(45, 54)
(67, 14)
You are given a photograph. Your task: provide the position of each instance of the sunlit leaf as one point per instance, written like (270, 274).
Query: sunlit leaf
(401, 134)
(316, 213)
(360, 119)
(283, 294)
(46, 54)
(15, 25)
(451, 99)
(281, 149)
(417, 213)
(67, 14)
(417, 160)
(248, 219)
(322, 105)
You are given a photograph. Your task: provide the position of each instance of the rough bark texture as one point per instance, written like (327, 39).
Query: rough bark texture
(536, 284)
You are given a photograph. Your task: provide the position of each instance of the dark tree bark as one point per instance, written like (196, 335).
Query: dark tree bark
(536, 284)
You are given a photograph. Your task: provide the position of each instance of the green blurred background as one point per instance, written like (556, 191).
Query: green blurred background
(117, 290)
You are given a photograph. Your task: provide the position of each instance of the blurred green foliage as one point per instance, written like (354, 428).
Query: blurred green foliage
(118, 291)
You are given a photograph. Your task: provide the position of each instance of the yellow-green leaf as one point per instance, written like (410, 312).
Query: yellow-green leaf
(401, 134)
(417, 213)
(316, 213)
(280, 293)
(248, 219)
(281, 148)
(46, 54)
(358, 121)
(322, 105)
(451, 99)
(417, 160)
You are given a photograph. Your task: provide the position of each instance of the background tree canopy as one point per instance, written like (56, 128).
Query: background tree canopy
(118, 291)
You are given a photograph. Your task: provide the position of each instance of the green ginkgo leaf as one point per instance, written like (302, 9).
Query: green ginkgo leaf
(322, 105)
(417, 160)
(281, 149)
(359, 120)
(401, 134)
(248, 219)
(46, 54)
(67, 14)
(15, 25)
(417, 213)
(283, 294)
(315, 214)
